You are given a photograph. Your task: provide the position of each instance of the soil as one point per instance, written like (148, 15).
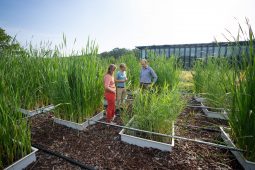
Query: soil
(99, 146)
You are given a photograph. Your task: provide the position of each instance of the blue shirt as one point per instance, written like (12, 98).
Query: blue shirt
(121, 76)
(147, 74)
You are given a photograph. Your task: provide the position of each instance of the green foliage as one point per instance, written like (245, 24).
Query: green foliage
(133, 70)
(232, 86)
(167, 69)
(14, 131)
(118, 53)
(26, 77)
(242, 116)
(199, 77)
(211, 80)
(155, 111)
(7, 43)
(77, 86)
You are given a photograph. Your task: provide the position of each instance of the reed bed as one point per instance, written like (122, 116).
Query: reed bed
(211, 80)
(26, 77)
(230, 84)
(167, 69)
(14, 131)
(242, 117)
(155, 110)
(76, 86)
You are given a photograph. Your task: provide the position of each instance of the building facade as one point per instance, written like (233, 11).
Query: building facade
(188, 53)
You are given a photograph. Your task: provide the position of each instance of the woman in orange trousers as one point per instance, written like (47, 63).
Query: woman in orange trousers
(110, 93)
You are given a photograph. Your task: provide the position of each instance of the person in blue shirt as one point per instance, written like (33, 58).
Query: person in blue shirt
(147, 75)
(120, 79)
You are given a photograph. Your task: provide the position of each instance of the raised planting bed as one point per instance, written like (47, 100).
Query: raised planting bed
(213, 114)
(23, 162)
(146, 143)
(247, 165)
(37, 111)
(79, 126)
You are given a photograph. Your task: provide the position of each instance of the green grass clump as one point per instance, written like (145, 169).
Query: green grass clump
(77, 85)
(14, 131)
(242, 116)
(155, 111)
(26, 77)
(167, 69)
(211, 80)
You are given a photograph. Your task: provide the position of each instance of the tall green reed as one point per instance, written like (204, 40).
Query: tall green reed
(77, 85)
(167, 69)
(15, 136)
(156, 110)
(211, 80)
(242, 116)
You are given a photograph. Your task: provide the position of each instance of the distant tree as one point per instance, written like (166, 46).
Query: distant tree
(8, 43)
(118, 52)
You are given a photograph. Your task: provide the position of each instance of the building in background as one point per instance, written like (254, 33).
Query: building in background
(188, 53)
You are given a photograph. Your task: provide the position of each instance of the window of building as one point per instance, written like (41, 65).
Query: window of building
(198, 54)
(182, 52)
(222, 51)
(216, 51)
(177, 52)
(171, 51)
(193, 50)
(204, 52)
(187, 51)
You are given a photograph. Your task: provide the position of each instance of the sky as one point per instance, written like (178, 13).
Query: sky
(123, 23)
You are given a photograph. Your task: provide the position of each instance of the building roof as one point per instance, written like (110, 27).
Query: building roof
(195, 44)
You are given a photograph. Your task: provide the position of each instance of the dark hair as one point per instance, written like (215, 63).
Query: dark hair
(111, 69)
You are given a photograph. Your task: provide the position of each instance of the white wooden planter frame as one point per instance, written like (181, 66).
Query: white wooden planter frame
(37, 111)
(79, 126)
(23, 162)
(217, 115)
(146, 142)
(247, 165)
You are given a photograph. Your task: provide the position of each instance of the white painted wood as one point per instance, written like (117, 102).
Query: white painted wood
(247, 165)
(146, 142)
(217, 115)
(23, 162)
(79, 126)
(37, 111)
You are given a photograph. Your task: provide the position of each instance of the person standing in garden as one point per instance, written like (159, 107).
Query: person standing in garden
(121, 78)
(110, 93)
(147, 75)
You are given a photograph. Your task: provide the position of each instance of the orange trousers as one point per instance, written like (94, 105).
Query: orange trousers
(110, 111)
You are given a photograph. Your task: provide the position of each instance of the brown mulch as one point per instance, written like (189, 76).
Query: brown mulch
(99, 146)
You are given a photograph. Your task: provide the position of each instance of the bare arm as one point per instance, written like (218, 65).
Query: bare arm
(110, 89)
